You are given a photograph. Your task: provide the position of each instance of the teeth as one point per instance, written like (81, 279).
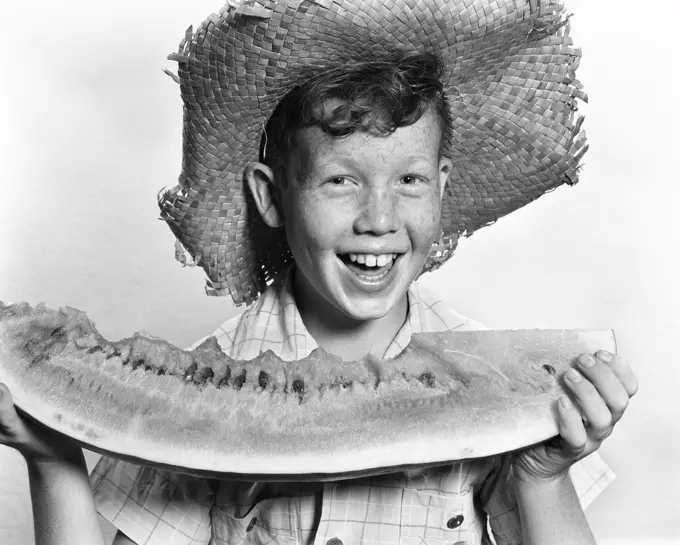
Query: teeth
(372, 260)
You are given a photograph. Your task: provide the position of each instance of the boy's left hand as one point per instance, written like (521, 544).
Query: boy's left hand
(604, 384)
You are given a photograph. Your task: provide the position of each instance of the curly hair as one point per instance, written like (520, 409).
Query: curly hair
(380, 95)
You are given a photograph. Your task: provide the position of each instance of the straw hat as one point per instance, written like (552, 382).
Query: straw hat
(509, 76)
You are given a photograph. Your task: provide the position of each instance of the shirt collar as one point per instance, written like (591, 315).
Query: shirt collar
(299, 342)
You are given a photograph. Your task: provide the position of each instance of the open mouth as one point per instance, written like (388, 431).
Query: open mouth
(369, 266)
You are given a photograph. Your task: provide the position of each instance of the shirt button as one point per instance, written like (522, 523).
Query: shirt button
(251, 524)
(455, 522)
(334, 541)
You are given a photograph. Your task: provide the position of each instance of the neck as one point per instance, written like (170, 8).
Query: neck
(344, 336)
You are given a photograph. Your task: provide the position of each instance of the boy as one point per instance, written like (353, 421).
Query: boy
(383, 131)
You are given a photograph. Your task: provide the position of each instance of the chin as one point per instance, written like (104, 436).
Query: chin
(364, 310)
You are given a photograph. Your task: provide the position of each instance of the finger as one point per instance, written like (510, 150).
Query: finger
(593, 407)
(621, 369)
(608, 385)
(572, 430)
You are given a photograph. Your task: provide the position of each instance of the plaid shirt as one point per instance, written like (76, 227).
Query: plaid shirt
(470, 503)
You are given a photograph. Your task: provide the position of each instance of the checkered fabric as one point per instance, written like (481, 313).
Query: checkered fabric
(470, 503)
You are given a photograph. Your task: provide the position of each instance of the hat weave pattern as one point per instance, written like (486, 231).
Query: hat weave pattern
(509, 77)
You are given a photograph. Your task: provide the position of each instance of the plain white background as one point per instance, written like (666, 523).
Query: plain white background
(91, 130)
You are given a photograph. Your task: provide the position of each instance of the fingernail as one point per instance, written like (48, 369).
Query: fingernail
(586, 361)
(573, 375)
(565, 403)
(605, 356)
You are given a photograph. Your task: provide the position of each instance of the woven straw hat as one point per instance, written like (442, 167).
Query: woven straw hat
(512, 93)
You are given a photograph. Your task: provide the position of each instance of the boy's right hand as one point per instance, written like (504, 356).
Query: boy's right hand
(34, 441)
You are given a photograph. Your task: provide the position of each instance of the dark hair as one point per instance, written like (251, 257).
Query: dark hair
(380, 95)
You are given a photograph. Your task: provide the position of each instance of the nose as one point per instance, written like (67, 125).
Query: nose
(379, 213)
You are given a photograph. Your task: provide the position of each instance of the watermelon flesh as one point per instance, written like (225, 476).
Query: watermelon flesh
(447, 397)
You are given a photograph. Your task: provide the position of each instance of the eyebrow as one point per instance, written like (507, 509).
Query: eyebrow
(416, 159)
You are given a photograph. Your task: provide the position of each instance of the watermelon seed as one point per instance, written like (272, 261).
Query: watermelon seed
(189, 373)
(262, 379)
(137, 363)
(95, 348)
(549, 368)
(160, 371)
(225, 380)
(115, 354)
(240, 380)
(39, 358)
(30, 344)
(299, 388)
(203, 375)
(124, 359)
(427, 378)
(59, 333)
(207, 374)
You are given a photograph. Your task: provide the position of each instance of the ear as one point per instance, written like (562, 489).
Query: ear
(264, 191)
(445, 166)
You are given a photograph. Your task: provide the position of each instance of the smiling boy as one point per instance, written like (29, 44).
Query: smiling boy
(361, 211)
(387, 130)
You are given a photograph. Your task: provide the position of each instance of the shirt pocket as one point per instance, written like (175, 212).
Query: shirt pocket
(253, 529)
(429, 518)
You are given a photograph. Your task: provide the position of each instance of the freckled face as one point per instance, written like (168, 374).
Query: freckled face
(369, 198)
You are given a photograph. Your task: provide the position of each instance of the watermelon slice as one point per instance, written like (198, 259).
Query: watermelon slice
(447, 397)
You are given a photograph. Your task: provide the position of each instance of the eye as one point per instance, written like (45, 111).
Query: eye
(414, 185)
(338, 185)
(413, 179)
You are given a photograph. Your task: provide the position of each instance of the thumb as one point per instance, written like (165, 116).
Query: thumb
(9, 419)
(24, 435)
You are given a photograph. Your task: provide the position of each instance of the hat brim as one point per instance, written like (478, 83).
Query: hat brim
(509, 77)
